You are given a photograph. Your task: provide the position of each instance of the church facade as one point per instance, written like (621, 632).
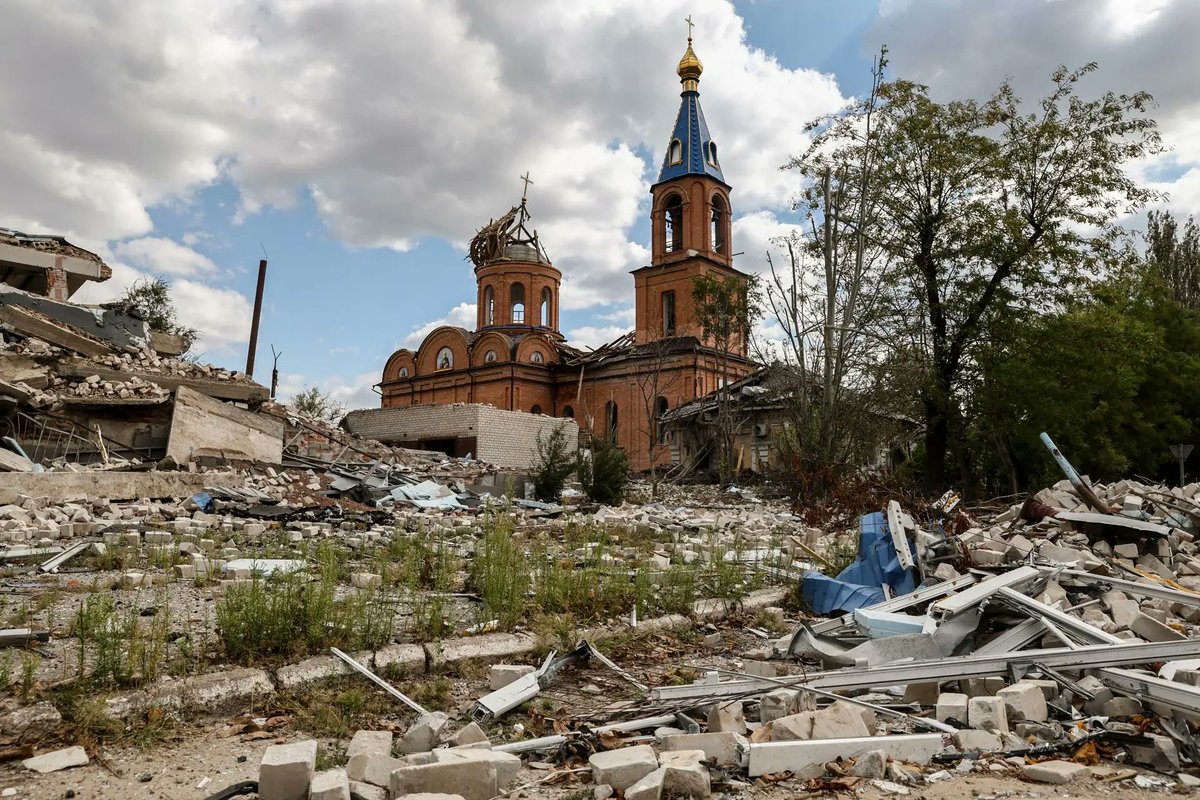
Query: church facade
(517, 359)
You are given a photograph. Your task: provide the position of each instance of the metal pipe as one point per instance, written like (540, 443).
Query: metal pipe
(378, 681)
(258, 298)
(1082, 488)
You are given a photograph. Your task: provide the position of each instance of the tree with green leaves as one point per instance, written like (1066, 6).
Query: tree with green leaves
(555, 463)
(150, 300)
(313, 402)
(1174, 256)
(726, 309)
(989, 211)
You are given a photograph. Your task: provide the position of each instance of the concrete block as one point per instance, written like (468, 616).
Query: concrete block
(366, 791)
(839, 721)
(776, 704)
(58, 759)
(332, 784)
(471, 780)
(1056, 772)
(794, 727)
(970, 740)
(981, 687)
(727, 718)
(1023, 701)
(951, 705)
(501, 675)
(287, 770)
(623, 768)
(506, 765)
(1128, 550)
(1152, 630)
(801, 756)
(373, 768)
(1122, 707)
(1162, 755)
(987, 714)
(721, 748)
(649, 787)
(373, 743)
(469, 734)
(686, 780)
(425, 733)
(409, 658)
(871, 764)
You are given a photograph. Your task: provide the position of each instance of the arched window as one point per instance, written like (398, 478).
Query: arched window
(674, 152)
(537, 357)
(517, 297)
(568, 412)
(712, 155)
(489, 306)
(610, 420)
(403, 372)
(673, 213)
(445, 358)
(536, 409)
(718, 224)
(544, 310)
(489, 356)
(660, 408)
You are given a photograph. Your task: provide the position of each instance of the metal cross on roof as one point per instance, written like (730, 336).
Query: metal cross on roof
(691, 25)
(528, 182)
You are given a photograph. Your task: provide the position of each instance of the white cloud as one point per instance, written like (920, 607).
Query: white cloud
(158, 255)
(400, 120)
(462, 315)
(592, 336)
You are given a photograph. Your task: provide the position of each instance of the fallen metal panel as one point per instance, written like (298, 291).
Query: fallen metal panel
(898, 524)
(1078, 627)
(969, 598)
(1015, 638)
(899, 603)
(54, 562)
(973, 666)
(1131, 587)
(1114, 523)
(1179, 696)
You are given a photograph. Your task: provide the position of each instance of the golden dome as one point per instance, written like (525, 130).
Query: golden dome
(690, 67)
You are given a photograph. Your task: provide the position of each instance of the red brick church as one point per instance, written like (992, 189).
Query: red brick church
(517, 359)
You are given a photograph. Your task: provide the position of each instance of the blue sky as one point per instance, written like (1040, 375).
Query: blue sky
(361, 143)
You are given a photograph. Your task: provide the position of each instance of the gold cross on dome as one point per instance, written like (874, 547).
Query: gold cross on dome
(528, 183)
(691, 25)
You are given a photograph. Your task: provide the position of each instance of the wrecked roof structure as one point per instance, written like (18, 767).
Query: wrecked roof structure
(47, 265)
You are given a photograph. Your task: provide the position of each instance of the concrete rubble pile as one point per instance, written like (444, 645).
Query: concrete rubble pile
(1046, 642)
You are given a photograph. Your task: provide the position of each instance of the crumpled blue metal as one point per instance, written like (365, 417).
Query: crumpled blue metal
(861, 583)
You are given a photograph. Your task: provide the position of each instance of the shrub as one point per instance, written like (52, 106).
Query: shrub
(554, 465)
(606, 474)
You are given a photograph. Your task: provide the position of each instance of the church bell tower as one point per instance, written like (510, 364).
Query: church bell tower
(690, 220)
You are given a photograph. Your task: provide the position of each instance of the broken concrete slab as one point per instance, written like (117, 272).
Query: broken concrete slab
(200, 422)
(112, 485)
(332, 784)
(425, 733)
(238, 391)
(1056, 772)
(799, 757)
(471, 780)
(58, 760)
(506, 765)
(721, 748)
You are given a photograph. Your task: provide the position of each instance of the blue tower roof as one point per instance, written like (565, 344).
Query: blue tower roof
(691, 150)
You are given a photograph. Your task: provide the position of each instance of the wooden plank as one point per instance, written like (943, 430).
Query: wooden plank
(224, 390)
(52, 332)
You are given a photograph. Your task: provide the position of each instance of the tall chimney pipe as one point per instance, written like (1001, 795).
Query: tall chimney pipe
(258, 298)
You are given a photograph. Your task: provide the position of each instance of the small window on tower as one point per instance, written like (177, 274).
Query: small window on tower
(489, 306)
(712, 155)
(668, 313)
(718, 224)
(674, 153)
(517, 295)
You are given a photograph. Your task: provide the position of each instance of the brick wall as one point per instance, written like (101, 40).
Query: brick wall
(504, 438)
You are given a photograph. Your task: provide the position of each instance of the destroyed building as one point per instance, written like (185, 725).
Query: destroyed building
(516, 357)
(48, 266)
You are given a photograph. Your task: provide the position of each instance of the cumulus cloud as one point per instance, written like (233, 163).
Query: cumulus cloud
(462, 315)
(592, 336)
(399, 120)
(159, 255)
